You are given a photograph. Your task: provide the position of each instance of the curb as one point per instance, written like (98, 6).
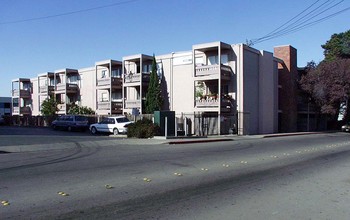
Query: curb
(197, 141)
(290, 134)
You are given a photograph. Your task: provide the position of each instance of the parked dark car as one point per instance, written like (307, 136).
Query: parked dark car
(71, 122)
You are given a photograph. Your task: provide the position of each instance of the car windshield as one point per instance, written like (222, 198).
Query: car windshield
(121, 120)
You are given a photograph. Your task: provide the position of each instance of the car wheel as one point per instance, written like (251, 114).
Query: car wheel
(69, 128)
(115, 131)
(93, 130)
(54, 127)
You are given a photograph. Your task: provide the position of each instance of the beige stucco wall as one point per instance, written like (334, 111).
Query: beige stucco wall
(268, 90)
(35, 97)
(257, 90)
(88, 87)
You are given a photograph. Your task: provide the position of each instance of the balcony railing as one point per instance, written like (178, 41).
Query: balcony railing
(132, 77)
(214, 70)
(22, 93)
(114, 106)
(21, 110)
(114, 82)
(69, 87)
(214, 103)
(46, 89)
(62, 107)
(136, 77)
(132, 104)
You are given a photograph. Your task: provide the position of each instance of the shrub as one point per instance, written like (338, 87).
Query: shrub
(143, 129)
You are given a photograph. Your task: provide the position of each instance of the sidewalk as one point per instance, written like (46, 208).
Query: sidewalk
(123, 140)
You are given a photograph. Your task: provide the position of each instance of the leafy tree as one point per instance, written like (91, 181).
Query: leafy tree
(337, 47)
(80, 110)
(154, 99)
(328, 83)
(329, 86)
(49, 107)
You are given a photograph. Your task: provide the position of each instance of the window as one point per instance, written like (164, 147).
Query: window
(105, 97)
(137, 68)
(52, 82)
(116, 95)
(213, 60)
(104, 74)
(224, 59)
(73, 79)
(225, 89)
(81, 118)
(26, 86)
(117, 72)
(138, 93)
(121, 120)
(111, 121)
(147, 68)
(69, 118)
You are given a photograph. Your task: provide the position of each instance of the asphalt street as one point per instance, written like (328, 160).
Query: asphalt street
(102, 177)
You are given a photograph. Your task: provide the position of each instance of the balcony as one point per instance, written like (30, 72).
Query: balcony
(116, 107)
(213, 71)
(136, 77)
(214, 103)
(129, 104)
(22, 93)
(110, 82)
(46, 89)
(67, 87)
(22, 111)
(62, 107)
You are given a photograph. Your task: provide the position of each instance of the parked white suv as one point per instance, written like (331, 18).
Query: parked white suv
(115, 125)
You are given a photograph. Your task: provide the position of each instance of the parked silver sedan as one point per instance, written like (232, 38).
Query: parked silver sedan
(115, 125)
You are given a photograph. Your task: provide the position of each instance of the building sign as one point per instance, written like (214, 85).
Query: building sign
(182, 60)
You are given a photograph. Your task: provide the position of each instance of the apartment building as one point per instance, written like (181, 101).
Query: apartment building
(109, 87)
(137, 69)
(223, 88)
(22, 96)
(214, 88)
(5, 106)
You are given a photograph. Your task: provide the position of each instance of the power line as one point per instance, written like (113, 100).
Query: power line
(306, 25)
(269, 34)
(304, 19)
(68, 13)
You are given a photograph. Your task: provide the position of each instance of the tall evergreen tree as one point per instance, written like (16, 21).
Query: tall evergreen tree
(154, 99)
(337, 47)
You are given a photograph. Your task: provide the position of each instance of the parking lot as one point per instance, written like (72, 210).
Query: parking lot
(18, 136)
(17, 130)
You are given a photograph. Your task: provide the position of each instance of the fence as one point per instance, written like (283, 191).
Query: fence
(199, 124)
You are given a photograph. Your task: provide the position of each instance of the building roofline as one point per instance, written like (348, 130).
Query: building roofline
(21, 80)
(104, 62)
(137, 56)
(66, 70)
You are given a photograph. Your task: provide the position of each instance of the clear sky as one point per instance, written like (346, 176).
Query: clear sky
(78, 40)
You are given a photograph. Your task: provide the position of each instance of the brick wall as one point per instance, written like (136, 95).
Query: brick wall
(287, 74)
